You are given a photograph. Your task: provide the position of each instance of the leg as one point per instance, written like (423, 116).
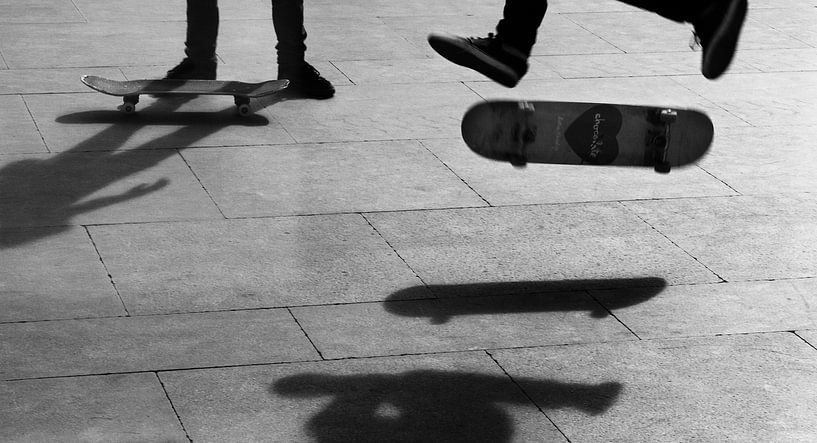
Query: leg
(288, 21)
(202, 29)
(504, 57)
(717, 24)
(520, 23)
(200, 44)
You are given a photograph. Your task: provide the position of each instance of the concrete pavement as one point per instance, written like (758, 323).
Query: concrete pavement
(347, 270)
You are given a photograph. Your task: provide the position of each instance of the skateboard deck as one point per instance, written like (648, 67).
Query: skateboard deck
(573, 133)
(131, 90)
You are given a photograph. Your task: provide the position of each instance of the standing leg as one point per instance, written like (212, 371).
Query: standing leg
(200, 44)
(288, 21)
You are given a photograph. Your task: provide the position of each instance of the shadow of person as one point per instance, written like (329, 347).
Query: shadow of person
(54, 190)
(432, 405)
(519, 297)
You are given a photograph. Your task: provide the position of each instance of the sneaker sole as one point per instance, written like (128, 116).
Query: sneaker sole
(724, 43)
(465, 54)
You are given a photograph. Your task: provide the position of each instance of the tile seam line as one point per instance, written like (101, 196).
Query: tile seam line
(172, 406)
(36, 125)
(673, 242)
(451, 170)
(397, 253)
(384, 211)
(371, 302)
(180, 153)
(306, 334)
(525, 393)
(398, 355)
(813, 346)
(107, 271)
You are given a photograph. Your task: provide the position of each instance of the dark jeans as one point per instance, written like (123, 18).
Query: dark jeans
(287, 18)
(522, 18)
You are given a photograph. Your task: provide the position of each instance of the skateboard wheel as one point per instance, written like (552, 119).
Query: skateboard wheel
(243, 105)
(244, 110)
(129, 103)
(662, 167)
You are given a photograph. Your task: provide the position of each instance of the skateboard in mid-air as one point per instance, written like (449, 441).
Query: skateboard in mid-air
(131, 90)
(523, 132)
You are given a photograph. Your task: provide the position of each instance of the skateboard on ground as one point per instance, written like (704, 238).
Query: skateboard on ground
(523, 132)
(132, 89)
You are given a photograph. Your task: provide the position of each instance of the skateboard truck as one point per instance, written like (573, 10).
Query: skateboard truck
(243, 105)
(129, 104)
(660, 140)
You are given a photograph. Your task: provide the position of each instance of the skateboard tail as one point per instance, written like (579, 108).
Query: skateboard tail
(488, 133)
(691, 138)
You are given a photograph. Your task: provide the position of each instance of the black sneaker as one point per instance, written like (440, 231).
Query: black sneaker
(717, 29)
(305, 80)
(190, 69)
(491, 57)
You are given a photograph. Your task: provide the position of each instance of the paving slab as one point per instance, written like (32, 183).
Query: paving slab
(20, 134)
(92, 122)
(104, 408)
(242, 264)
(422, 70)
(753, 161)
(781, 60)
(64, 45)
(767, 99)
(724, 308)
(50, 81)
(457, 324)
(322, 9)
(327, 178)
(344, 38)
(630, 64)
(501, 184)
(150, 11)
(756, 387)
(51, 273)
(535, 243)
(740, 238)
(794, 19)
(377, 112)
(39, 11)
(100, 187)
(810, 336)
(652, 91)
(653, 33)
(562, 34)
(150, 343)
(462, 396)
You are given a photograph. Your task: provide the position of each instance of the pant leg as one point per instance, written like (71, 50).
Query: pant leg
(202, 29)
(288, 20)
(520, 23)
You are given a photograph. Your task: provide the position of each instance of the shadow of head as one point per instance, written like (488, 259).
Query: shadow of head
(432, 405)
(519, 297)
